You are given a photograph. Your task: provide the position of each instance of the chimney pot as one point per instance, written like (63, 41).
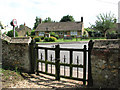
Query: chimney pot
(81, 19)
(40, 20)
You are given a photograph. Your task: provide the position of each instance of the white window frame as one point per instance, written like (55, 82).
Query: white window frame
(73, 33)
(41, 33)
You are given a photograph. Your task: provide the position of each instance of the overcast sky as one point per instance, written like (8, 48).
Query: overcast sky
(27, 10)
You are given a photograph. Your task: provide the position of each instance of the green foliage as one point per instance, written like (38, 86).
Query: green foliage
(90, 32)
(27, 33)
(112, 35)
(54, 35)
(47, 20)
(10, 33)
(46, 39)
(50, 39)
(37, 22)
(85, 35)
(104, 22)
(37, 39)
(93, 33)
(11, 23)
(67, 18)
(119, 35)
(42, 38)
(33, 33)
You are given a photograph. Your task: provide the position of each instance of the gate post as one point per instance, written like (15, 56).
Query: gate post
(57, 62)
(32, 56)
(90, 79)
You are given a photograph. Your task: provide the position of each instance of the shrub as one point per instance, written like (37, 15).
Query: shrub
(54, 35)
(46, 39)
(27, 33)
(42, 38)
(10, 33)
(37, 39)
(51, 39)
(119, 35)
(112, 35)
(84, 37)
(33, 33)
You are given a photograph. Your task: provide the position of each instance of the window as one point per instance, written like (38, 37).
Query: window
(65, 33)
(41, 33)
(60, 33)
(73, 32)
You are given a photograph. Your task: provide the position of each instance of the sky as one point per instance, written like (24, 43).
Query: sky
(27, 10)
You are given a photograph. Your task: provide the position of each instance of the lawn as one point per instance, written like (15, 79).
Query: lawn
(74, 40)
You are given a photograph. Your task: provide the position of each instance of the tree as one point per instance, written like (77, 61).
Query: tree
(67, 18)
(33, 33)
(104, 22)
(37, 22)
(11, 23)
(47, 20)
(10, 33)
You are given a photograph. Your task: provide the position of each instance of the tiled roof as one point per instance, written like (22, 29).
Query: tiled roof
(59, 26)
(23, 28)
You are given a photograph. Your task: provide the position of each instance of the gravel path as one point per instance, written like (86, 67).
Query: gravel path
(44, 81)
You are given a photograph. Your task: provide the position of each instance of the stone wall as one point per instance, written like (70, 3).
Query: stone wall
(16, 54)
(105, 62)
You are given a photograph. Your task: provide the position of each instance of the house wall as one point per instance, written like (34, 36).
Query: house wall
(37, 33)
(105, 60)
(58, 33)
(82, 29)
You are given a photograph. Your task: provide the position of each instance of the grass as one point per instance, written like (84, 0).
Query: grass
(74, 40)
(10, 77)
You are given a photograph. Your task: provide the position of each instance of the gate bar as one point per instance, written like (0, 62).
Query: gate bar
(84, 62)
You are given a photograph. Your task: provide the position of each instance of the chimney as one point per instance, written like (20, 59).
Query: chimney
(24, 24)
(81, 19)
(40, 20)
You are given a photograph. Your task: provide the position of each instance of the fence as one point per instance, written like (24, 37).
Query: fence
(56, 64)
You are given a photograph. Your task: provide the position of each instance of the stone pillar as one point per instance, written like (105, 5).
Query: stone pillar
(0, 63)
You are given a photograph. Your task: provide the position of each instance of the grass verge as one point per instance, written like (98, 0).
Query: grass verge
(74, 40)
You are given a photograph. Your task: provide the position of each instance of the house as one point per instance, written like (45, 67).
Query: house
(61, 28)
(23, 29)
